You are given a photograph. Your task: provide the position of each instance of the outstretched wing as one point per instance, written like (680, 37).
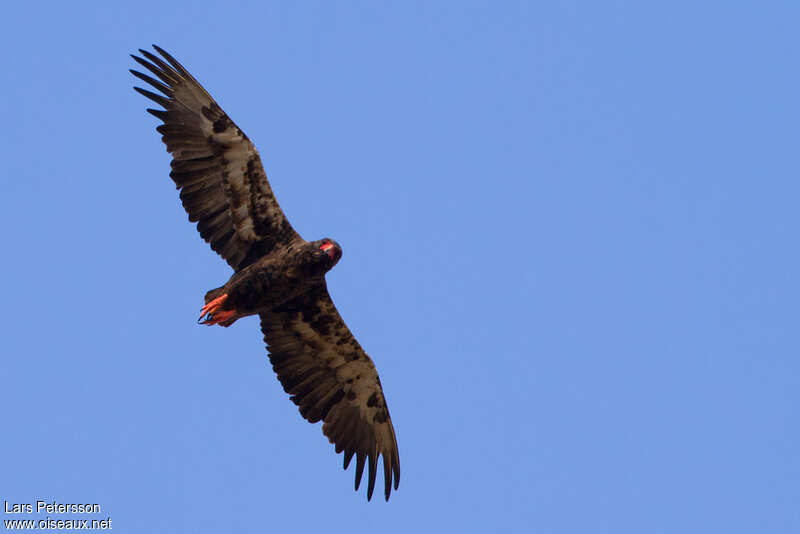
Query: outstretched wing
(330, 377)
(223, 185)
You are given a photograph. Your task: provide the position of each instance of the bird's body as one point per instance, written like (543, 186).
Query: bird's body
(277, 274)
(283, 274)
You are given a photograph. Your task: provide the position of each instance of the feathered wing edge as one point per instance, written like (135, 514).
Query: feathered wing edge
(224, 188)
(330, 378)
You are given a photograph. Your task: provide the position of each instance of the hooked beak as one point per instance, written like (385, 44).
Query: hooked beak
(328, 247)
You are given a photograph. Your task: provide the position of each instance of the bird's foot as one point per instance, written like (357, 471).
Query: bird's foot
(212, 313)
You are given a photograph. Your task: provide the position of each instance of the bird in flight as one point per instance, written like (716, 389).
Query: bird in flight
(277, 274)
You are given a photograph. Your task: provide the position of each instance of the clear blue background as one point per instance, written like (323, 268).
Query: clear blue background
(570, 246)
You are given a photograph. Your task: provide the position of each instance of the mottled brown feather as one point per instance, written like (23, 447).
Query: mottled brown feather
(330, 377)
(224, 188)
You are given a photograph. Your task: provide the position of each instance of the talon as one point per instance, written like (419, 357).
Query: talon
(212, 313)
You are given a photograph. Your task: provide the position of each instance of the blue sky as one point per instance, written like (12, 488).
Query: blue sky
(570, 246)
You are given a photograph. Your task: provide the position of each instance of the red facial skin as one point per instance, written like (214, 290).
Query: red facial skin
(328, 247)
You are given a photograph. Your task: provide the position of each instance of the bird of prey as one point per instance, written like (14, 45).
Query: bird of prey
(277, 274)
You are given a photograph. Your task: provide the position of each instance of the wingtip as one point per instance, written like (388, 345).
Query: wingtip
(371, 476)
(361, 459)
(348, 455)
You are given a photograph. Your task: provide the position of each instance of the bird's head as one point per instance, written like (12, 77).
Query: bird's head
(329, 250)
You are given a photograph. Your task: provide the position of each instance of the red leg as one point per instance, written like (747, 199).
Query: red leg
(212, 313)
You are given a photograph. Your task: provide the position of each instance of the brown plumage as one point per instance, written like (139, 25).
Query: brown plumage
(277, 274)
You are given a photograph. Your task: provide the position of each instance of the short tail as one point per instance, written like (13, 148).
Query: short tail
(214, 293)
